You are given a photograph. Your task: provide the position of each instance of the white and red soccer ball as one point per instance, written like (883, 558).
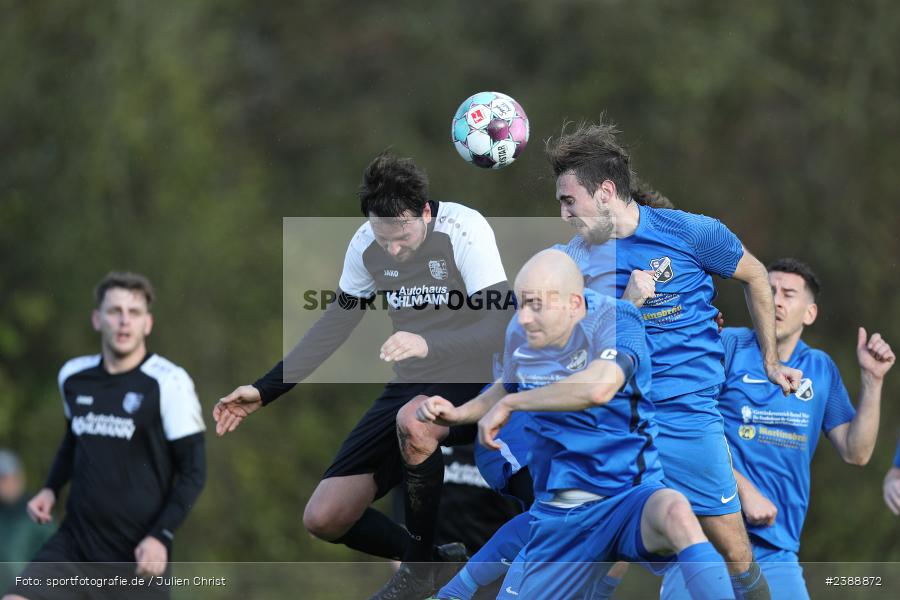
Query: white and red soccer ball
(489, 130)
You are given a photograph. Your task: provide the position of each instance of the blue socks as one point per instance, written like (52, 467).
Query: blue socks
(705, 575)
(602, 589)
(488, 563)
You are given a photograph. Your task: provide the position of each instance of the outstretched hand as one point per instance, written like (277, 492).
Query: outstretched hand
(231, 410)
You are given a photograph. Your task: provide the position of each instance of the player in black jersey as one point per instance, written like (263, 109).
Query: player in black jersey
(133, 451)
(427, 258)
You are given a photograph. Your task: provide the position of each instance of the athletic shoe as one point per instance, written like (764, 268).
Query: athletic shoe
(412, 581)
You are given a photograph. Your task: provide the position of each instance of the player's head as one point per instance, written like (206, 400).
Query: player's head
(550, 293)
(394, 196)
(12, 478)
(644, 194)
(795, 288)
(122, 315)
(593, 178)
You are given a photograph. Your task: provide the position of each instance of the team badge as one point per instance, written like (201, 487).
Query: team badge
(438, 268)
(747, 432)
(746, 413)
(132, 402)
(662, 269)
(578, 361)
(805, 391)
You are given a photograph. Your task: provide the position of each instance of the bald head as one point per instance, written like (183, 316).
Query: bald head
(550, 290)
(551, 270)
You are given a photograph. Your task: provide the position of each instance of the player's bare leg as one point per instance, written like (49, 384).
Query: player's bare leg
(729, 535)
(339, 512)
(337, 503)
(668, 525)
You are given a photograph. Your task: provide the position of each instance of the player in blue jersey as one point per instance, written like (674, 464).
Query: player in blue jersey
(583, 377)
(773, 437)
(663, 261)
(892, 485)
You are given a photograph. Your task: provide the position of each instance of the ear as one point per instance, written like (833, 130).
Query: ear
(148, 324)
(426, 213)
(809, 317)
(606, 191)
(95, 319)
(576, 301)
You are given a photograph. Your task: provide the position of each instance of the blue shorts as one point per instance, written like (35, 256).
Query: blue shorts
(568, 548)
(497, 467)
(781, 568)
(694, 452)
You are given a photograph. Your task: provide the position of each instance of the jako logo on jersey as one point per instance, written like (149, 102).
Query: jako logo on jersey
(105, 425)
(662, 269)
(391, 273)
(84, 400)
(578, 361)
(805, 391)
(438, 268)
(132, 402)
(747, 432)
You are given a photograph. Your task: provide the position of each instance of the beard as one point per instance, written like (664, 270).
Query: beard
(596, 230)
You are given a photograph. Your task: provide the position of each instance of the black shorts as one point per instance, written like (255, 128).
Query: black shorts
(372, 447)
(61, 571)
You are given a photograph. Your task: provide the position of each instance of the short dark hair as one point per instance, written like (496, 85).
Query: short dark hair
(792, 265)
(644, 194)
(126, 280)
(393, 186)
(594, 155)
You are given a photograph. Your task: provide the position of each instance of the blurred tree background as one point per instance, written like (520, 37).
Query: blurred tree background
(172, 137)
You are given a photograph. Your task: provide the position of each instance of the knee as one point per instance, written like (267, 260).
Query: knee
(415, 437)
(678, 513)
(323, 523)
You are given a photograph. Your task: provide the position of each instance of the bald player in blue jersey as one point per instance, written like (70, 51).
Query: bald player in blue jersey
(892, 485)
(662, 261)
(773, 437)
(583, 377)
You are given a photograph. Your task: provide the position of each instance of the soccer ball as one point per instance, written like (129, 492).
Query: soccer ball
(489, 130)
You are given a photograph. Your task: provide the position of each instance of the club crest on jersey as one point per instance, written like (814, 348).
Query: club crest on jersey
(662, 269)
(805, 390)
(132, 402)
(577, 361)
(747, 432)
(438, 269)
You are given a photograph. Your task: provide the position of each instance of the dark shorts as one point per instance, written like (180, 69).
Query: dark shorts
(372, 447)
(61, 571)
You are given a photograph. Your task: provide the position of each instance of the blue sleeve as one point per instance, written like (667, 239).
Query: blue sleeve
(717, 248)
(506, 369)
(838, 409)
(629, 339)
(897, 456)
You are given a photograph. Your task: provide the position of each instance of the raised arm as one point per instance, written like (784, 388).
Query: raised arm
(758, 294)
(855, 440)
